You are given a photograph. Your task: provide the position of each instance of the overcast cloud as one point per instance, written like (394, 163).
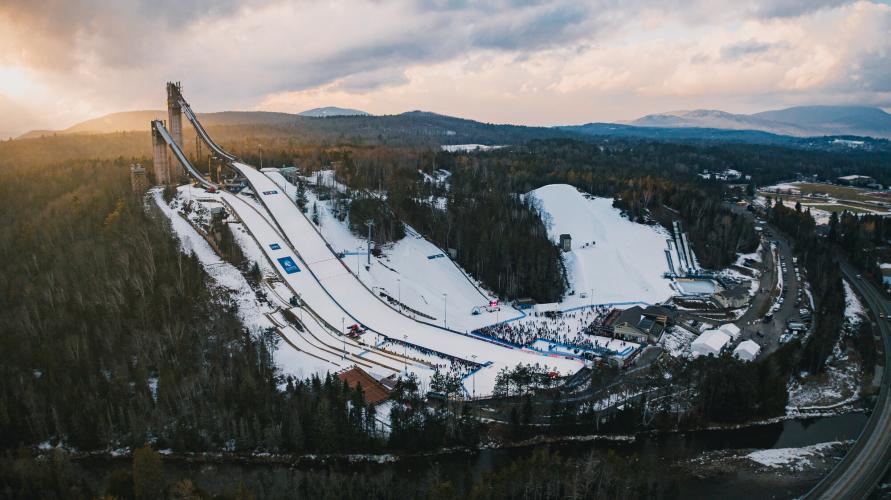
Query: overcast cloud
(518, 61)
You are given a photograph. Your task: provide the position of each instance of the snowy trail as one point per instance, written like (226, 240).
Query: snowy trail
(353, 299)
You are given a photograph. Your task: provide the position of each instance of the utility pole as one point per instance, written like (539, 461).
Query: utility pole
(445, 311)
(369, 223)
(343, 335)
(473, 377)
(260, 148)
(405, 352)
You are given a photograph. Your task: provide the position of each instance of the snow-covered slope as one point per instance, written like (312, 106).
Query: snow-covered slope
(411, 270)
(622, 261)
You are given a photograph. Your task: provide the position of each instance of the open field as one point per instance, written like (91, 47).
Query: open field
(830, 198)
(840, 192)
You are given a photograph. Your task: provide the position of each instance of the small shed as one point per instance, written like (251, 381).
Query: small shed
(291, 174)
(747, 350)
(566, 242)
(524, 303)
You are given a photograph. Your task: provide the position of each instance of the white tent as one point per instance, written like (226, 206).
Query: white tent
(747, 350)
(709, 343)
(730, 329)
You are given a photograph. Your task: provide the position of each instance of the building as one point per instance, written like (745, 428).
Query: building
(291, 174)
(730, 330)
(640, 325)
(710, 343)
(856, 180)
(217, 214)
(138, 180)
(374, 391)
(733, 298)
(747, 350)
(524, 303)
(566, 242)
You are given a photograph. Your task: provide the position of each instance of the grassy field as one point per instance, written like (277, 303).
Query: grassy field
(821, 204)
(852, 199)
(839, 192)
(828, 207)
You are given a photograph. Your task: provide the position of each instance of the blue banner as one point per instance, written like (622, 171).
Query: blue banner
(289, 265)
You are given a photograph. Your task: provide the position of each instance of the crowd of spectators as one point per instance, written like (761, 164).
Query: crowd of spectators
(576, 329)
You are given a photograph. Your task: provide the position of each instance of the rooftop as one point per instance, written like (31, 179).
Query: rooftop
(374, 391)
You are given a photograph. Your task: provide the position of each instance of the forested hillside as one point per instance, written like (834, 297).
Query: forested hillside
(110, 336)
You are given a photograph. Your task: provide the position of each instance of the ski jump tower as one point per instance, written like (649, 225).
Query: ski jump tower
(160, 160)
(164, 174)
(175, 112)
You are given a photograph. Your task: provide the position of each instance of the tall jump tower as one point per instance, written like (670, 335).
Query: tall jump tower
(175, 112)
(161, 162)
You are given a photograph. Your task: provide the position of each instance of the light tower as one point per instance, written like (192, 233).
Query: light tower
(175, 112)
(369, 223)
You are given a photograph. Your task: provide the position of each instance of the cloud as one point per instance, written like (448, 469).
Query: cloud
(795, 8)
(525, 61)
(740, 50)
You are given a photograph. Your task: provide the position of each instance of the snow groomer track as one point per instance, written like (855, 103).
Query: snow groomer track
(331, 295)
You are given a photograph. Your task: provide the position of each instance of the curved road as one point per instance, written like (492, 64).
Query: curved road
(866, 463)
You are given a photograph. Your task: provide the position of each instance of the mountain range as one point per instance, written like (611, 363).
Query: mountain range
(785, 126)
(332, 111)
(127, 121)
(801, 121)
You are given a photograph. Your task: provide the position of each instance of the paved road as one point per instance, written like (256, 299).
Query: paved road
(750, 322)
(868, 460)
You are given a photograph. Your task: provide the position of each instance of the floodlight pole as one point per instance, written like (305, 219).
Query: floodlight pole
(369, 223)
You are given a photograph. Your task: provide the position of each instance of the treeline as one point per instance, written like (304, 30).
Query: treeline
(730, 390)
(111, 337)
(415, 426)
(497, 233)
(543, 474)
(864, 238)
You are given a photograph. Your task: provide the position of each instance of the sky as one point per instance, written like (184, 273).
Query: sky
(501, 61)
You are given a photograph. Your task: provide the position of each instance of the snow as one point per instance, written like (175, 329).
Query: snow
(250, 310)
(406, 273)
(783, 187)
(463, 148)
(224, 274)
(676, 342)
(333, 294)
(747, 350)
(795, 459)
(853, 307)
(710, 343)
(626, 261)
(743, 257)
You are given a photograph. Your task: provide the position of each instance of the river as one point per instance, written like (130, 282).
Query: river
(657, 453)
